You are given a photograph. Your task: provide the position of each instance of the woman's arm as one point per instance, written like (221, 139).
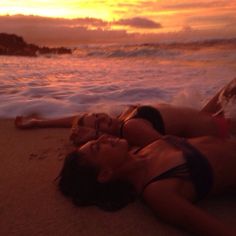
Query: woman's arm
(31, 122)
(126, 113)
(213, 105)
(175, 209)
(228, 91)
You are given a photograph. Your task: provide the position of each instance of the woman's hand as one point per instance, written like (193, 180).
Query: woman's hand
(81, 135)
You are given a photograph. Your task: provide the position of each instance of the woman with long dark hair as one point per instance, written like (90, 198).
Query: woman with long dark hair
(170, 175)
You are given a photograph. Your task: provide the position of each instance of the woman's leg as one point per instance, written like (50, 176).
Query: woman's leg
(215, 105)
(27, 123)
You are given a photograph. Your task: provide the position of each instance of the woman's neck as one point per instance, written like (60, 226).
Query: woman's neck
(134, 170)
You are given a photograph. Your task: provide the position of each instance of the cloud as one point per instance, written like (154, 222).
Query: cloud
(186, 5)
(223, 18)
(38, 20)
(139, 22)
(89, 22)
(59, 31)
(65, 32)
(188, 34)
(195, 5)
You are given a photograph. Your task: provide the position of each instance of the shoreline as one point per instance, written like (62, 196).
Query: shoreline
(31, 204)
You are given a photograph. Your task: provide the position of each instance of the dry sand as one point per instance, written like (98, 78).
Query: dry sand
(30, 203)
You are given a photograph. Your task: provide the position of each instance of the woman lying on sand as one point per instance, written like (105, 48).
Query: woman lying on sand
(169, 175)
(141, 125)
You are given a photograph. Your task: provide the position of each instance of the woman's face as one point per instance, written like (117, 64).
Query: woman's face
(106, 151)
(100, 121)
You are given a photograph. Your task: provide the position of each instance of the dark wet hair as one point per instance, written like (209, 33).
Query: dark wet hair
(78, 181)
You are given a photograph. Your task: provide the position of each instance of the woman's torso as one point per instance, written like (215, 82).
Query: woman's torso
(179, 121)
(162, 156)
(187, 122)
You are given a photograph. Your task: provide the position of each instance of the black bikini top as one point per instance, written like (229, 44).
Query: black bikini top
(196, 168)
(150, 114)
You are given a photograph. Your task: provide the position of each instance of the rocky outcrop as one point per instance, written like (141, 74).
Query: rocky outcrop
(11, 44)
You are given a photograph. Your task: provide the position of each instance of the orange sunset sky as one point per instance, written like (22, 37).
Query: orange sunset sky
(71, 22)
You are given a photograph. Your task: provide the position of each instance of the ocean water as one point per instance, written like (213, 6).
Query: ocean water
(110, 77)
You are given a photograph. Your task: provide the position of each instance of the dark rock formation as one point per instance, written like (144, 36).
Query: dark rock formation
(11, 44)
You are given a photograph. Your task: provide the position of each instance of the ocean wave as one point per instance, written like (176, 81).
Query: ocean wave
(169, 50)
(137, 95)
(65, 85)
(127, 51)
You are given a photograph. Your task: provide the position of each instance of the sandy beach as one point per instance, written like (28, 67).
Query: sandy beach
(30, 203)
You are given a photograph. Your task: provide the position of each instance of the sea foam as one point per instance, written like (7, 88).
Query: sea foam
(117, 76)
